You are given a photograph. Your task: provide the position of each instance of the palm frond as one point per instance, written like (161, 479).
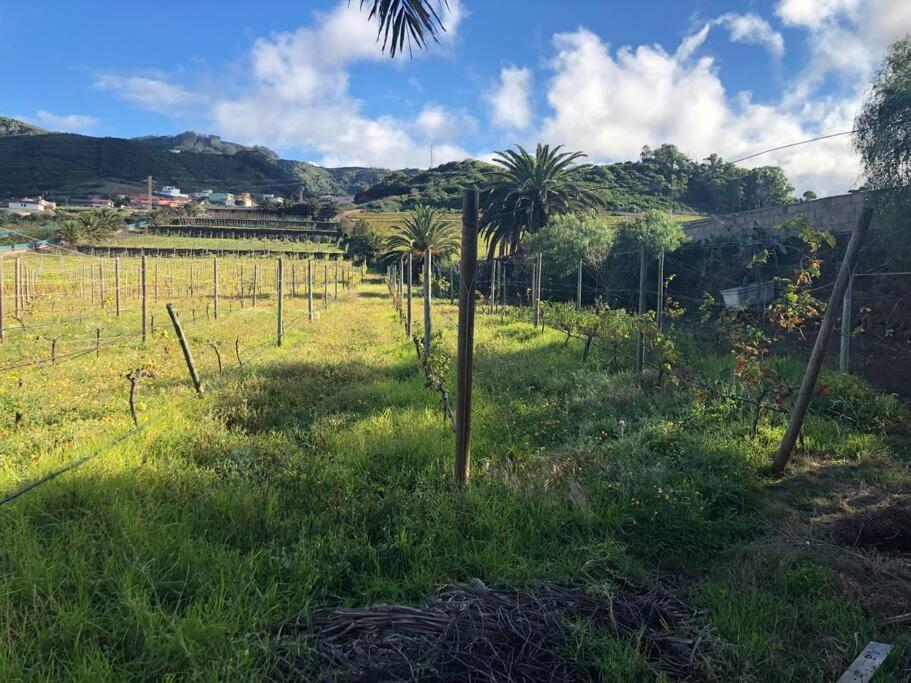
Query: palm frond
(404, 22)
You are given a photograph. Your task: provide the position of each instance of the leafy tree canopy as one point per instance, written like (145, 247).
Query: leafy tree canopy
(653, 230)
(883, 136)
(570, 238)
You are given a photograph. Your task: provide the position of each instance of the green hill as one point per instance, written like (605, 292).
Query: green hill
(190, 141)
(64, 164)
(661, 178)
(10, 126)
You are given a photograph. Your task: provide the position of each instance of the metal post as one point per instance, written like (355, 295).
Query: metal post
(493, 285)
(579, 288)
(659, 306)
(640, 339)
(844, 361)
(465, 353)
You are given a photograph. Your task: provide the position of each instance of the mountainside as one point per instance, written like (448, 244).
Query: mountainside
(190, 141)
(335, 181)
(65, 164)
(661, 178)
(10, 126)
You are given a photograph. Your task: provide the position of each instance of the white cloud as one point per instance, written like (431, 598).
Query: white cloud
(147, 92)
(510, 101)
(814, 13)
(752, 29)
(67, 123)
(298, 97)
(610, 105)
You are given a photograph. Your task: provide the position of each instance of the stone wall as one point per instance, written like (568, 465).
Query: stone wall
(837, 214)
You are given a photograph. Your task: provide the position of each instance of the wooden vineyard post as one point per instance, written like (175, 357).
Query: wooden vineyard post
(428, 323)
(17, 287)
(2, 294)
(640, 339)
(310, 290)
(465, 353)
(215, 287)
(659, 307)
(579, 288)
(844, 356)
(101, 284)
(408, 318)
(187, 355)
(156, 280)
(143, 288)
(325, 286)
(255, 282)
(814, 365)
(117, 285)
(336, 281)
(280, 287)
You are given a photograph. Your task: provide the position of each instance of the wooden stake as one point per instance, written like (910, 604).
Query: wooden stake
(280, 285)
(428, 277)
(493, 285)
(144, 290)
(215, 287)
(310, 290)
(409, 314)
(117, 285)
(325, 285)
(187, 354)
(255, 279)
(465, 353)
(814, 365)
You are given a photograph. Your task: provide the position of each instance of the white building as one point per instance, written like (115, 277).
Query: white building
(29, 204)
(169, 191)
(202, 196)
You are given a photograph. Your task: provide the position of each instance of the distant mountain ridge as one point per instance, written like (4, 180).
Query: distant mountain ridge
(10, 126)
(191, 141)
(33, 161)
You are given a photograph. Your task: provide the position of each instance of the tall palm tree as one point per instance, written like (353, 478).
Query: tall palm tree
(529, 189)
(425, 233)
(192, 209)
(406, 21)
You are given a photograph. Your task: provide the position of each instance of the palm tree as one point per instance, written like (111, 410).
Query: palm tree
(71, 231)
(192, 209)
(425, 233)
(531, 188)
(406, 21)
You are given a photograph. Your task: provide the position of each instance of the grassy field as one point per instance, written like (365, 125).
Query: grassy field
(216, 244)
(320, 474)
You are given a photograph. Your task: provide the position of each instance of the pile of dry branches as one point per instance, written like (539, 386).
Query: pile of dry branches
(474, 633)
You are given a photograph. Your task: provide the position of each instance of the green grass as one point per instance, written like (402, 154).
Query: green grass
(321, 474)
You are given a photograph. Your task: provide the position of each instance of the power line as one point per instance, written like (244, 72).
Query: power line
(792, 144)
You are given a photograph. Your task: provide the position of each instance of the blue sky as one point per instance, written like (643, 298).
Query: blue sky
(307, 79)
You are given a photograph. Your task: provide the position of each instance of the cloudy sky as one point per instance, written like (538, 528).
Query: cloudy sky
(307, 77)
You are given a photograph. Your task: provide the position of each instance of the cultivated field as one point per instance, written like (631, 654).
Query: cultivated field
(320, 474)
(216, 244)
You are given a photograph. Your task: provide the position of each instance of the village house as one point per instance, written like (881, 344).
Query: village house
(31, 205)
